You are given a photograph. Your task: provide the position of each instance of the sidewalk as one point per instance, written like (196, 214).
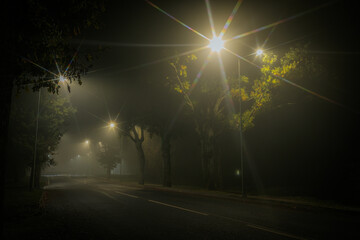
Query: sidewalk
(291, 202)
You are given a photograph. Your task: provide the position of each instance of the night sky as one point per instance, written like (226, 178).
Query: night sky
(138, 37)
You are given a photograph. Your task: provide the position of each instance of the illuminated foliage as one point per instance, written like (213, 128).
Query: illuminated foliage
(207, 99)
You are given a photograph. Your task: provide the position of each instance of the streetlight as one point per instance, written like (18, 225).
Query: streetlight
(259, 52)
(241, 137)
(216, 44)
(111, 125)
(62, 78)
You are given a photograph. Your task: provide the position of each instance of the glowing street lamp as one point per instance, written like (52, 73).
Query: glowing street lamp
(259, 52)
(86, 142)
(216, 44)
(62, 78)
(111, 125)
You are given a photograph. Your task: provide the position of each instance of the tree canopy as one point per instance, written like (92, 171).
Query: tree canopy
(54, 114)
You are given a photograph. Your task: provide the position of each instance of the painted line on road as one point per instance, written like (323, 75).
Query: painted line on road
(177, 207)
(266, 229)
(106, 194)
(275, 232)
(126, 194)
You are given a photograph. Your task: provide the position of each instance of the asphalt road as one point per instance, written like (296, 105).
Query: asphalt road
(84, 208)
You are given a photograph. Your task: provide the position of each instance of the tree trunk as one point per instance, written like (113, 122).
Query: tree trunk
(31, 182)
(141, 157)
(37, 173)
(108, 172)
(219, 178)
(6, 92)
(208, 158)
(165, 148)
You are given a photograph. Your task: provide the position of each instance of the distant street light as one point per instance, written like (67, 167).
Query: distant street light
(111, 125)
(259, 52)
(62, 78)
(87, 142)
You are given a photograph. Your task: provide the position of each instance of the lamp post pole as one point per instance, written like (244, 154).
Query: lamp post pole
(243, 190)
(32, 180)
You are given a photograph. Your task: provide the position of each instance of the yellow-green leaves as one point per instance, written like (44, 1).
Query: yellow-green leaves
(182, 70)
(179, 78)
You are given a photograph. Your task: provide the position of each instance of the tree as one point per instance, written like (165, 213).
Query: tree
(134, 118)
(165, 121)
(108, 157)
(136, 134)
(208, 101)
(38, 45)
(53, 116)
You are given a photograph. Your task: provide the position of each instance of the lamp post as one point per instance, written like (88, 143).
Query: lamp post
(90, 155)
(258, 52)
(243, 189)
(32, 181)
(216, 45)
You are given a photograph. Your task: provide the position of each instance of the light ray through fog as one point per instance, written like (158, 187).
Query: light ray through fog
(73, 57)
(97, 117)
(177, 20)
(226, 87)
(141, 45)
(287, 42)
(39, 66)
(149, 63)
(297, 85)
(229, 20)
(59, 75)
(196, 80)
(280, 21)
(211, 20)
(57, 66)
(268, 37)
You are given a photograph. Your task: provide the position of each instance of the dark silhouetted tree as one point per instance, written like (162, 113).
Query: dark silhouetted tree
(54, 114)
(108, 156)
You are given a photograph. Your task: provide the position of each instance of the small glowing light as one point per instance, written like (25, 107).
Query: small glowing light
(216, 44)
(237, 172)
(62, 78)
(87, 141)
(259, 52)
(112, 125)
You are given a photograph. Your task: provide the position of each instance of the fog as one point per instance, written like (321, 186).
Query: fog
(300, 140)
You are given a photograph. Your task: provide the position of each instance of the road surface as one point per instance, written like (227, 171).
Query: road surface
(89, 208)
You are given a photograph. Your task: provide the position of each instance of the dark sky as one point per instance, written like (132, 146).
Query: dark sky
(331, 31)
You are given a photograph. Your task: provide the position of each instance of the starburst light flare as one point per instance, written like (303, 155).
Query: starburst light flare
(259, 52)
(62, 78)
(177, 20)
(216, 44)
